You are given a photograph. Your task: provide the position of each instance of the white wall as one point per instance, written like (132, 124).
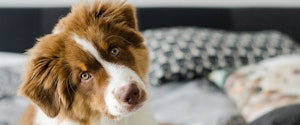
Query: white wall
(160, 3)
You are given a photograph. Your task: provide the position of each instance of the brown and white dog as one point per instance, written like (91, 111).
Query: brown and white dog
(92, 70)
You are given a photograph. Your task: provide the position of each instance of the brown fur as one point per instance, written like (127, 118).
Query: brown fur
(52, 78)
(27, 118)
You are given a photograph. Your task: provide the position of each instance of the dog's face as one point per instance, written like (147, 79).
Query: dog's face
(94, 63)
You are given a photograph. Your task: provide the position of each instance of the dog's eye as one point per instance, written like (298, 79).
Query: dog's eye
(115, 51)
(85, 76)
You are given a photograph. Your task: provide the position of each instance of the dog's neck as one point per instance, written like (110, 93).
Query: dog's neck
(141, 117)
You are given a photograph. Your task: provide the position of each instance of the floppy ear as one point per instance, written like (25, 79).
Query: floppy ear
(45, 77)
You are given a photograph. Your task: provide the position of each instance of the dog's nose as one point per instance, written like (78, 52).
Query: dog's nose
(129, 94)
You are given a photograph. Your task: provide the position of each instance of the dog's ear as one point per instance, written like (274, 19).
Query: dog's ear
(116, 13)
(129, 13)
(113, 12)
(44, 76)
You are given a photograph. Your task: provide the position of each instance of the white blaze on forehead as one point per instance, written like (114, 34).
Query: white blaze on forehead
(113, 70)
(119, 76)
(87, 46)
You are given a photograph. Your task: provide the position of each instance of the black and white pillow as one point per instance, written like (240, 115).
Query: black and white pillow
(184, 53)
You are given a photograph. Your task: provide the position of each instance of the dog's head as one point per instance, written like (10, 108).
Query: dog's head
(94, 62)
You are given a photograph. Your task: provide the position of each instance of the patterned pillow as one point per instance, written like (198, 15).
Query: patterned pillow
(184, 53)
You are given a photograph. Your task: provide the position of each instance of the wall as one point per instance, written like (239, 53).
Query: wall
(160, 3)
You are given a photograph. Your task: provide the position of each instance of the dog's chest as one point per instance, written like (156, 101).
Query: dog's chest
(141, 117)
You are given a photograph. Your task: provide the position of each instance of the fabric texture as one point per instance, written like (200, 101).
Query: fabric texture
(11, 106)
(287, 115)
(9, 81)
(184, 53)
(261, 88)
(11, 67)
(194, 102)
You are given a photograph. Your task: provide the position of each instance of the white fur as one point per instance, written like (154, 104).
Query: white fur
(56, 31)
(141, 117)
(42, 119)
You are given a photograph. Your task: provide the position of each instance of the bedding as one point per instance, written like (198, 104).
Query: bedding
(11, 66)
(185, 53)
(10, 69)
(286, 115)
(196, 101)
(259, 89)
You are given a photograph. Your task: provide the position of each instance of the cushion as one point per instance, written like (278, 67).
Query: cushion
(184, 53)
(258, 89)
(287, 115)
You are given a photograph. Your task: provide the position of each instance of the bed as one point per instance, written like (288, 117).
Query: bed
(208, 102)
(180, 90)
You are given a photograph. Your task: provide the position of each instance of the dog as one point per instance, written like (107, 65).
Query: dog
(91, 70)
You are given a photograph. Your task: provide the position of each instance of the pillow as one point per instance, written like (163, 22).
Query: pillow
(184, 53)
(287, 115)
(258, 89)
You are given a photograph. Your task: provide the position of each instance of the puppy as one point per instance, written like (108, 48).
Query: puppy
(91, 70)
